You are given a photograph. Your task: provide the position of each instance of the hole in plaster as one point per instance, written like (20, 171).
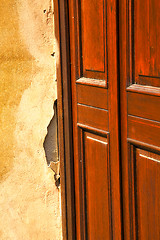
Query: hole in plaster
(51, 146)
(44, 10)
(53, 54)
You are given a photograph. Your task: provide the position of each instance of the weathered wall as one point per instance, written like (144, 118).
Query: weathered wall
(29, 200)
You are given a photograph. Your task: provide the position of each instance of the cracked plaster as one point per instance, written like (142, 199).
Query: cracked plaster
(29, 200)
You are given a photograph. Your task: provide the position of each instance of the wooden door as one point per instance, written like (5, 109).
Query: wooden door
(110, 72)
(140, 117)
(94, 80)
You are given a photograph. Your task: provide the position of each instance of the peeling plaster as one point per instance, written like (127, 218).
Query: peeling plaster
(29, 200)
(50, 143)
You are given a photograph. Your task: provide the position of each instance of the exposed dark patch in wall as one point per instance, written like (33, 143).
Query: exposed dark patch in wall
(50, 143)
(51, 146)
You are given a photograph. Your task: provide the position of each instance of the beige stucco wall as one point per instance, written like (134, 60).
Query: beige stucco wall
(29, 200)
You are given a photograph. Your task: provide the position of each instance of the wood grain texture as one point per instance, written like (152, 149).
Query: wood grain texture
(144, 130)
(92, 82)
(125, 65)
(145, 106)
(71, 66)
(139, 64)
(67, 180)
(96, 160)
(143, 51)
(113, 97)
(147, 170)
(93, 38)
(93, 117)
(132, 115)
(153, 91)
(93, 96)
(73, 10)
(148, 81)
(147, 37)
(144, 194)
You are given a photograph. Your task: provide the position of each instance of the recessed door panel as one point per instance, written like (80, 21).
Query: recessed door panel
(147, 37)
(145, 197)
(144, 131)
(140, 117)
(148, 194)
(93, 24)
(143, 39)
(144, 105)
(114, 73)
(96, 174)
(98, 97)
(94, 93)
(93, 117)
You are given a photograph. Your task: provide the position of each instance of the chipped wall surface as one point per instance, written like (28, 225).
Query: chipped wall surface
(29, 200)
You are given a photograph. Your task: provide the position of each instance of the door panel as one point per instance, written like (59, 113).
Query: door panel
(144, 131)
(144, 105)
(147, 194)
(96, 179)
(93, 38)
(98, 97)
(147, 37)
(93, 117)
(95, 122)
(140, 121)
(115, 97)
(143, 42)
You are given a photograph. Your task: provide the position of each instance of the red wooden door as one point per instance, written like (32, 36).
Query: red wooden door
(114, 52)
(140, 117)
(94, 79)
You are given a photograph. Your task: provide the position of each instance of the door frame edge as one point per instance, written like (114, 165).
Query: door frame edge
(65, 137)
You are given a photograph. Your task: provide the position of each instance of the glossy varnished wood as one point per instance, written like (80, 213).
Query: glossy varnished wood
(147, 180)
(110, 77)
(144, 130)
(98, 97)
(140, 116)
(64, 122)
(90, 99)
(153, 91)
(147, 37)
(93, 117)
(60, 123)
(143, 105)
(92, 82)
(93, 38)
(96, 160)
(144, 194)
(113, 96)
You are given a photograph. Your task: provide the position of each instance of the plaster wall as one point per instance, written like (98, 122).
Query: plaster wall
(29, 200)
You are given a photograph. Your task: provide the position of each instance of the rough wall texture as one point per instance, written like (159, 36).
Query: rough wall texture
(29, 200)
